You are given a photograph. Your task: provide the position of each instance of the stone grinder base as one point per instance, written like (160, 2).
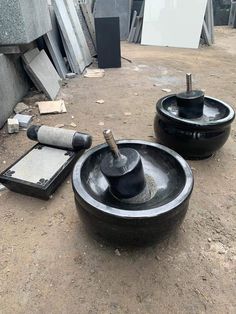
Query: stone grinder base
(141, 220)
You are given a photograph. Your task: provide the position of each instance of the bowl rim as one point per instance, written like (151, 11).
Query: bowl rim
(79, 189)
(227, 120)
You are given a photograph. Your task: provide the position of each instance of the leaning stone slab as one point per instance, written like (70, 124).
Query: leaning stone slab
(30, 55)
(114, 8)
(78, 31)
(42, 71)
(27, 58)
(17, 49)
(53, 42)
(69, 35)
(22, 21)
(14, 85)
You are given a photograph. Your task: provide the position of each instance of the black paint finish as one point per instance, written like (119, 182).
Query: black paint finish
(126, 180)
(43, 189)
(170, 183)
(195, 138)
(190, 104)
(108, 42)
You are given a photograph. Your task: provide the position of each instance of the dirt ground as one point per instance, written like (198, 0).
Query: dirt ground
(48, 263)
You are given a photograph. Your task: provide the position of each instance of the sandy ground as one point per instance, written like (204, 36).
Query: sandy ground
(48, 264)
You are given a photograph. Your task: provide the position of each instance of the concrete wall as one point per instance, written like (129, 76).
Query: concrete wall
(22, 21)
(14, 85)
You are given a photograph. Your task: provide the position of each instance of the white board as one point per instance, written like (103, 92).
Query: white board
(173, 23)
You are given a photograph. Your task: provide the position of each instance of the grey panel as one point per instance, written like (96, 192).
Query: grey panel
(39, 164)
(115, 8)
(44, 74)
(22, 21)
(53, 42)
(13, 87)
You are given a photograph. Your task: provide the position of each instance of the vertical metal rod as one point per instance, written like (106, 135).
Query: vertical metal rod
(189, 82)
(112, 143)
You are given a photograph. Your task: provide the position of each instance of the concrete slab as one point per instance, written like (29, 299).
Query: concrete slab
(22, 21)
(12, 126)
(43, 72)
(17, 49)
(53, 42)
(90, 40)
(68, 56)
(115, 8)
(23, 119)
(89, 18)
(70, 38)
(78, 31)
(13, 87)
(29, 55)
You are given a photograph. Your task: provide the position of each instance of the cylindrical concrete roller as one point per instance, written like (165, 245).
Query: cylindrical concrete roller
(60, 138)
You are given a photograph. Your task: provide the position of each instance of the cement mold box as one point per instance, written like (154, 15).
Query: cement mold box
(22, 21)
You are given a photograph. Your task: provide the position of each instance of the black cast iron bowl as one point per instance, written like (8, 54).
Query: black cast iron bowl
(193, 138)
(168, 177)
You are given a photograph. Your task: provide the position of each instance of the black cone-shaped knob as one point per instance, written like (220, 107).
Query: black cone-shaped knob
(122, 169)
(191, 102)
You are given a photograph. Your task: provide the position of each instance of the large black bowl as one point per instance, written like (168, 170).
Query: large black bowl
(193, 138)
(169, 180)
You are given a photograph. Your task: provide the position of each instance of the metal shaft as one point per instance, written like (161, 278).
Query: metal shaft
(189, 82)
(112, 143)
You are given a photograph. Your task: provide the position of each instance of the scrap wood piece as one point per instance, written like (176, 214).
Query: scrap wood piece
(94, 73)
(47, 107)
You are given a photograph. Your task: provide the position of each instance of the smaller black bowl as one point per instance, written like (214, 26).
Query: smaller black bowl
(193, 138)
(141, 220)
